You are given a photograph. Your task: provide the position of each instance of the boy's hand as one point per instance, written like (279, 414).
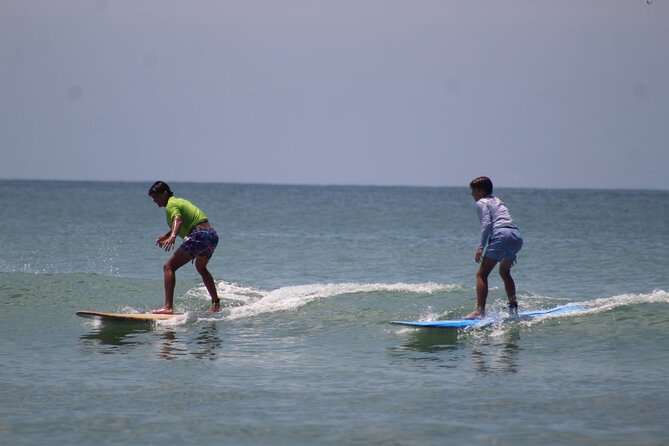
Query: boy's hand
(166, 242)
(478, 255)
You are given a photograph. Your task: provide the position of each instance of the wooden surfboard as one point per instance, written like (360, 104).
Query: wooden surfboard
(136, 317)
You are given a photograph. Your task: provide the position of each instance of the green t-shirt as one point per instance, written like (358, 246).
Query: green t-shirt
(190, 214)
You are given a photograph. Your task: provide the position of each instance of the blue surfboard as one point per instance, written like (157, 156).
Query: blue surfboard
(480, 323)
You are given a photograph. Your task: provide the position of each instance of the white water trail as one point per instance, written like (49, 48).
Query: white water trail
(242, 302)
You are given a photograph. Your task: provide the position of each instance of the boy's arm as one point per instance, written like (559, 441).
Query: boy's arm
(167, 241)
(486, 223)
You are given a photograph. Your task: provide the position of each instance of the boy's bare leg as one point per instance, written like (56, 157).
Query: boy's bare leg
(201, 266)
(178, 259)
(487, 265)
(509, 284)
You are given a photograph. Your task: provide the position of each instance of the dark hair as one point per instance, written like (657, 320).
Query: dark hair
(483, 183)
(159, 188)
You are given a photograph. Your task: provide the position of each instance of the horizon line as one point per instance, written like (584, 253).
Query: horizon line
(370, 185)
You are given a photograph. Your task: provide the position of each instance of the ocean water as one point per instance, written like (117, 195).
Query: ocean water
(302, 352)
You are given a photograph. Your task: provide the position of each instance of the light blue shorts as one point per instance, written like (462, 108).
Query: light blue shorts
(504, 244)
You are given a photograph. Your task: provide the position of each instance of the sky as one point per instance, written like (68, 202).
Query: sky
(536, 93)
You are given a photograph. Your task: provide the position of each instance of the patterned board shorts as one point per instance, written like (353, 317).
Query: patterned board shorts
(504, 244)
(200, 242)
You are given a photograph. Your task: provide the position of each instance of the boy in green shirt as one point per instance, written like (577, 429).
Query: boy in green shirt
(200, 240)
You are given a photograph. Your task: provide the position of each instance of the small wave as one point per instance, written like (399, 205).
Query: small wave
(594, 306)
(242, 301)
(531, 302)
(609, 303)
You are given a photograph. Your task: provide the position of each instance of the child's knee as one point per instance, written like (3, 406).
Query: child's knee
(483, 275)
(201, 267)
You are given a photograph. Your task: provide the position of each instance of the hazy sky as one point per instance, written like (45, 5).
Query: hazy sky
(560, 93)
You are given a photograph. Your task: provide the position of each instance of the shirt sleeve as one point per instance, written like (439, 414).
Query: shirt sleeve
(486, 222)
(172, 211)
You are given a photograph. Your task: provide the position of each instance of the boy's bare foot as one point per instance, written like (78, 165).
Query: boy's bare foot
(215, 306)
(476, 314)
(513, 309)
(162, 311)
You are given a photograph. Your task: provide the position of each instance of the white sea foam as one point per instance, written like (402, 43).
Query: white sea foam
(176, 321)
(535, 302)
(241, 301)
(599, 305)
(605, 304)
(657, 296)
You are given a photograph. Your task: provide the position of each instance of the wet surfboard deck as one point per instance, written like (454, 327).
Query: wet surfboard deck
(487, 321)
(127, 317)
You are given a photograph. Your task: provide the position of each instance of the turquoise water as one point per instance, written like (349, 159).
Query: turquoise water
(302, 352)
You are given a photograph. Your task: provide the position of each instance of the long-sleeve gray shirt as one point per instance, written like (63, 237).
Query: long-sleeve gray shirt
(493, 214)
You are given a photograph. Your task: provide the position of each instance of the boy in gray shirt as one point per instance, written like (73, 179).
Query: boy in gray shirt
(501, 240)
